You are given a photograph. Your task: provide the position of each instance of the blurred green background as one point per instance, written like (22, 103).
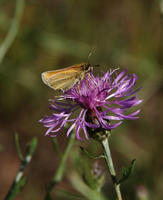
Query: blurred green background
(57, 33)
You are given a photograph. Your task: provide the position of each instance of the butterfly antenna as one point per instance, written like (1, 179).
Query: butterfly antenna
(93, 49)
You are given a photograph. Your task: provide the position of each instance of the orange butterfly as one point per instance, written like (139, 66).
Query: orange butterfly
(65, 78)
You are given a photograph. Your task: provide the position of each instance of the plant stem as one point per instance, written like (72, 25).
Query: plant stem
(109, 161)
(60, 170)
(19, 180)
(13, 29)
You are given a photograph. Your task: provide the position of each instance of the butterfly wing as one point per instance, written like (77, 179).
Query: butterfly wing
(63, 78)
(60, 79)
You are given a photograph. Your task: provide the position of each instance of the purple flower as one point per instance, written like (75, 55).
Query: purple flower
(99, 101)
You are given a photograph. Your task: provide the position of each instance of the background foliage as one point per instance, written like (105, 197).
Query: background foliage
(58, 33)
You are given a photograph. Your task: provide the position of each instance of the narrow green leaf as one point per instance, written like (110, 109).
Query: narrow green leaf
(86, 191)
(18, 149)
(126, 172)
(90, 155)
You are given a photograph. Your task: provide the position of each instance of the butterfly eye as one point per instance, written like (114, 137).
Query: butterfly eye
(87, 67)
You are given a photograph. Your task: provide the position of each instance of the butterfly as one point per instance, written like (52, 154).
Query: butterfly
(67, 77)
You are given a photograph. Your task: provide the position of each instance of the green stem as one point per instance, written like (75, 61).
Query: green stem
(19, 180)
(109, 162)
(60, 170)
(13, 29)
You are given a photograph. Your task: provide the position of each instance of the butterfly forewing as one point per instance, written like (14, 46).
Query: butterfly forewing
(63, 78)
(64, 81)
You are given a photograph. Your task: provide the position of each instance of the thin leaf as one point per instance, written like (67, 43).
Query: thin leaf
(81, 187)
(126, 172)
(18, 149)
(90, 155)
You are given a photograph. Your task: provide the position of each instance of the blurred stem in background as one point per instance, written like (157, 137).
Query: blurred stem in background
(13, 29)
(87, 192)
(60, 170)
(19, 180)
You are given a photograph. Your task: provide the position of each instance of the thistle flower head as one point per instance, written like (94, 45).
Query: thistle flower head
(103, 102)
